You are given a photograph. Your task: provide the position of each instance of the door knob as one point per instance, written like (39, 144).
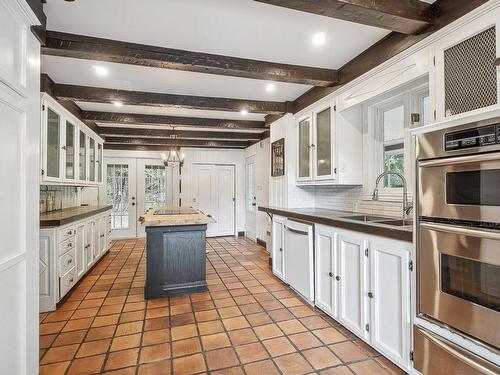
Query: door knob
(337, 278)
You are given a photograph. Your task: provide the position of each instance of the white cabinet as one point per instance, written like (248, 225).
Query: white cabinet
(71, 153)
(363, 281)
(277, 248)
(67, 253)
(352, 284)
(329, 147)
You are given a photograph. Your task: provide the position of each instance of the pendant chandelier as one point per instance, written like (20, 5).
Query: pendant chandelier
(173, 157)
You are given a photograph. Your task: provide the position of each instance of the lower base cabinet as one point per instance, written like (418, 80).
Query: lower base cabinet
(67, 253)
(363, 281)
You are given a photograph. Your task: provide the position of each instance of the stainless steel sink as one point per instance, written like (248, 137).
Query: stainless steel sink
(396, 223)
(366, 218)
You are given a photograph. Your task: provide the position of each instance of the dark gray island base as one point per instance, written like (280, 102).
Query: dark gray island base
(175, 261)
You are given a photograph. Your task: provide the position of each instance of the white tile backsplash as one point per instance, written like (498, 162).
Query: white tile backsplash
(67, 196)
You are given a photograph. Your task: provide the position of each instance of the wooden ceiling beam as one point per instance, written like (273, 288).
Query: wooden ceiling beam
(177, 134)
(444, 11)
(90, 48)
(140, 119)
(403, 16)
(166, 143)
(154, 99)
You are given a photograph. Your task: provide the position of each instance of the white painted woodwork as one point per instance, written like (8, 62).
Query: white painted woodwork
(326, 269)
(19, 194)
(353, 278)
(251, 197)
(278, 258)
(298, 249)
(390, 306)
(68, 253)
(225, 200)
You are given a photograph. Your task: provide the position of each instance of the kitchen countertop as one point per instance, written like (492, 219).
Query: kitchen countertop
(335, 218)
(69, 215)
(182, 216)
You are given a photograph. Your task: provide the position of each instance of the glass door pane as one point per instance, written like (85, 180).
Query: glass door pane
(99, 162)
(92, 160)
(117, 194)
(155, 193)
(53, 144)
(324, 140)
(82, 161)
(70, 150)
(304, 148)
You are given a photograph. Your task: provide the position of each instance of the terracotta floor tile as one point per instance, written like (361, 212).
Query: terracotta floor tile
(268, 331)
(281, 314)
(110, 310)
(368, 367)
(228, 371)
(131, 316)
(291, 326)
(124, 358)
(348, 351)
(58, 316)
(221, 358)
(134, 306)
(180, 309)
(215, 341)
(85, 313)
(314, 322)
(126, 342)
(159, 323)
(189, 365)
(155, 337)
(182, 319)
(293, 364)
(235, 323)
(156, 368)
(187, 346)
(88, 349)
(122, 371)
(261, 368)
(321, 358)
(129, 328)
(184, 332)
(279, 346)
(302, 311)
(59, 354)
(258, 319)
(203, 316)
(329, 335)
(77, 324)
(48, 328)
(242, 336)
(251, 352)
(339, 370)
(100, 333)
(157, 312)
(88, 365)
(155, 353)
(207, 328)
(251, 308)
(229, 312)
(106, 320)
(54, 368)
(304, 340)
(47, 340)
(67, 338)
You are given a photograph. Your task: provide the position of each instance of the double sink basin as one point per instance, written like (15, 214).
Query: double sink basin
(380, 220)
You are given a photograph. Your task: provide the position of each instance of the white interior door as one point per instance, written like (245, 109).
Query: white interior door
(19, 192)
(121, 193)
(154, 187)
(250, 199)
(213, 191)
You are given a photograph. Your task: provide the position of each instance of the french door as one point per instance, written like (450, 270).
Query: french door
(251, 199)
(213, 192)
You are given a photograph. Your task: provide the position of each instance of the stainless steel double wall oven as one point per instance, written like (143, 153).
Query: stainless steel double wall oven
(458, 193)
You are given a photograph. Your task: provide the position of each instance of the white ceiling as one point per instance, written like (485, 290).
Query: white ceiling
(241, 28)
(138, 78)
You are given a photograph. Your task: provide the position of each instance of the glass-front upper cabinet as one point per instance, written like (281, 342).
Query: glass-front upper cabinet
(304, 152)
(52, 151)
(323, 151)
(99, 162)
(82, 160)
(92, 159)
(70, 151)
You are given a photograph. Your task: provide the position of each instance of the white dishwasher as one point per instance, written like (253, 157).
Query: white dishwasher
(299, 262)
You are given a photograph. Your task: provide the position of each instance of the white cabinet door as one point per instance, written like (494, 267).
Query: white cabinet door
(278, 255)
(96, 239)
(89, 243)
(102, 235)
(81, 263)
(304, 149)
(352, 272)
(390, 304)
(52, 144)
(323, 141)
(326, 270)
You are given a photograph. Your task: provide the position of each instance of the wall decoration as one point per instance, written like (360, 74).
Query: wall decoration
(278, 158)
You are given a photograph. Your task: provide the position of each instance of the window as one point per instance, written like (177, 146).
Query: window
(393, 127)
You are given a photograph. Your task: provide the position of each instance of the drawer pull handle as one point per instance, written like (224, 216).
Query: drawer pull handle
(70, 233)
(330, 274)
(337, 278)
(70, 244)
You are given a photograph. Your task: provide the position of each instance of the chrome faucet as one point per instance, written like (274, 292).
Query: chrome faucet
(407, 206)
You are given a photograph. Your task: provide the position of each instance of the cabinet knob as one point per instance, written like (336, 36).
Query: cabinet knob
(337, 278)
(70, 233)
(281, 249)
(70, 261)
(70, 244)
(330, 274)
(71, 280)
(370, 294)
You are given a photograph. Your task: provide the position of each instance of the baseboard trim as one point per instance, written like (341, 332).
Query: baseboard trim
(261, 242)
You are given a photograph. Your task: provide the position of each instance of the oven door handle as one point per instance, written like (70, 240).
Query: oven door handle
(460, 160)
(466, 231)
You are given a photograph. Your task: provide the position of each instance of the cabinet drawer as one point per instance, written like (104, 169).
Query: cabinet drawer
(66, 245)
(67, 282)
(67, 261)
(65, 234)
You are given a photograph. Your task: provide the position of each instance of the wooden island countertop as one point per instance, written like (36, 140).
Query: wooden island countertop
(174, 216)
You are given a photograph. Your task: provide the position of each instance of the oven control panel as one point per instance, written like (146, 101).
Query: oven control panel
(474, 137)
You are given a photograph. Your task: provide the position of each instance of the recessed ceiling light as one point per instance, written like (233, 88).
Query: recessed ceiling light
(244, 112)
(100, 70)
(270, 87)
(117, 103)
(319, 39)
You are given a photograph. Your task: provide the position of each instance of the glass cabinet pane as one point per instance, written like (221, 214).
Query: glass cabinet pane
(92, 160)
(53, 143)
(70, 150)
(99, 162)
(83, 156)
(304, 148)
(324, 146)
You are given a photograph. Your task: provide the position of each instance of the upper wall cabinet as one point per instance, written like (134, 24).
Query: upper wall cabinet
(71, 152)
(467, 77)
(321, 157)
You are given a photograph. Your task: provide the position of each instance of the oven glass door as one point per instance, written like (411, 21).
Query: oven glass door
(461, 188)
(459, 279)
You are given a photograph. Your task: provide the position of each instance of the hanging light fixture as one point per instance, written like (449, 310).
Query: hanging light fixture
(174, 156)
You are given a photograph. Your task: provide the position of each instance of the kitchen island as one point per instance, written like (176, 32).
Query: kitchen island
(175, 248)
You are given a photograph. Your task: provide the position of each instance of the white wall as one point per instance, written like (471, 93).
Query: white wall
(198, 155)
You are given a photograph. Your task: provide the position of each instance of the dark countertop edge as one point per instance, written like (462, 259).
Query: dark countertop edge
(44, 224)
(377, 230)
